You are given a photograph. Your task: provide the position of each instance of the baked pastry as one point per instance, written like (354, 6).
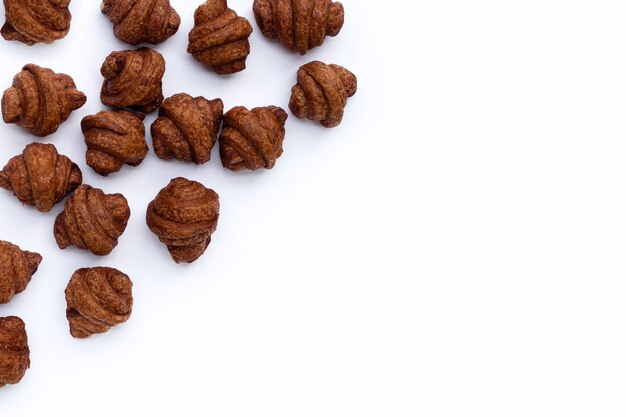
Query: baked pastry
(14, 352)
(219, 38)
(186, 128)
(40, 177)
(97, 299)
(184, 216)
(133, 79)
(40, 21)
(137, 21)
(17, 267)
(252, 139)
(92, 220)
(114, 138)
(40, 100)
(322, 92)
(300, 25)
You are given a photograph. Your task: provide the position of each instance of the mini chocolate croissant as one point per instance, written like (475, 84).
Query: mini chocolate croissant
(219, 38)
(252, 139)
(137, 21)
(40, 100)
(40, 177)
(14, 352)
(186, 128)
(133, 79)
(97, 299)
(184, 216)
(92, 220)
(300, 25)
(322, 93)
(114, 138)
(41, 21)
(17, 267)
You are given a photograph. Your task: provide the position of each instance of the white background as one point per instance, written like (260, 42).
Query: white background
(454, 248)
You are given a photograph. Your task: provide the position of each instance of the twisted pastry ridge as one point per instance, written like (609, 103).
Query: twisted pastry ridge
(300, 25)
(92, 220)
(322, 92)
(97, 299)
(40, 177)
(184, 216)
(17, 267)
(40, 99)
(31, 22)
(133, 79)
(14, 352)
(114, 138)
(252, 139)
(219, 38)
(137, 21)
(186, 128)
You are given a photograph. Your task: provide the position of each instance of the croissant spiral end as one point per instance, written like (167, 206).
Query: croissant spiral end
(11, 105)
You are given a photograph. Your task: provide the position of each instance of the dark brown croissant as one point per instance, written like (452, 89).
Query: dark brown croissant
(16, 269)
(219, 38)
(97, 299)
(252, 139)
(92, 220)
(137, 21)
(184, 216)
(14, 352)
(40, 100)
(40, 177)
(114, 138)
(31, 22)
(300, 25)
(133, 79)
(322, 92)
(186, 128)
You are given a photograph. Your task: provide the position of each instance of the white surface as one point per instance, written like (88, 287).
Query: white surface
(455, 248)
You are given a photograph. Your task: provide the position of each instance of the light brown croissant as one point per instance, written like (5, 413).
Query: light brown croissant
(40, 100)
(97, 299)
(219, 38)
(252, 139)
(40, 177)
(137, 21)
(114, 138)
(184, 216)
(17, 267)
(322, 92)
(92, 220)
(41, 21)
(133, 79)
(186, 128)
(300, 25)
(14, 352)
